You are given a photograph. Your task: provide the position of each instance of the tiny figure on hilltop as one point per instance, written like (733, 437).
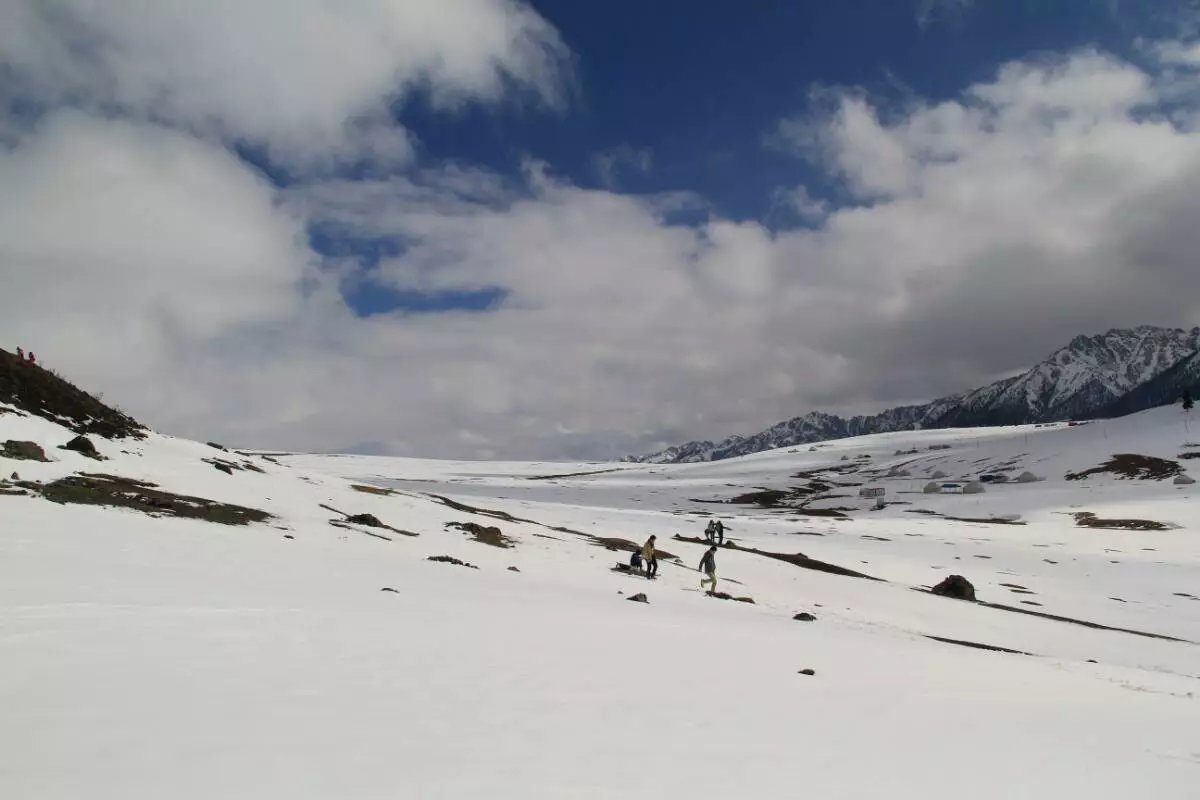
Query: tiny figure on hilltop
(20, 354)
(32, 358)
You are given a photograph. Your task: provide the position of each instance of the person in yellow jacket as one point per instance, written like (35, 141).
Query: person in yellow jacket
(649, 557)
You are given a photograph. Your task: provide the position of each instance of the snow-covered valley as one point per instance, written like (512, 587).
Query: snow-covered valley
(148, 655)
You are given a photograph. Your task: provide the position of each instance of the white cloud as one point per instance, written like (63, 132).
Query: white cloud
(152, 264)
(801, 203)
(310, 80)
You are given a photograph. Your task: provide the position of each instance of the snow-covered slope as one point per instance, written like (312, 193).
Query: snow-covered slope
(144, 655)
(1083, 379)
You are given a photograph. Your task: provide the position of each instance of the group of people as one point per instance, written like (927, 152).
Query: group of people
(32, 359)
(646, 559)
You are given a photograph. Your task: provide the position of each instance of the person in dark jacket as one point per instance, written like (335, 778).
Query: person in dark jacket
(708, 565)
(650, 558)
(719, 532)
(709, 531)
(635, 560)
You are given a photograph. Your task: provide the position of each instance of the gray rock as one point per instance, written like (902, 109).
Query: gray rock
(640, 597)
(1184, 480)
(804, 616)
(808, 672)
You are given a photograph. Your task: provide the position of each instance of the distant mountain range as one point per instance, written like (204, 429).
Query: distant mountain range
(1115, 373)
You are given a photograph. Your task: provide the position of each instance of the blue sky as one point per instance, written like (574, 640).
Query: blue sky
(677, 95)
(531, 229)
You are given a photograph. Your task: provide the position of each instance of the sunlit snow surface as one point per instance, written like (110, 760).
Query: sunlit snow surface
(147, 657)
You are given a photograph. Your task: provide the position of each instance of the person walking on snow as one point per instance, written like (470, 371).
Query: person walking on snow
(719, 531)
(710, 531)
(650, 558)
(708, 565)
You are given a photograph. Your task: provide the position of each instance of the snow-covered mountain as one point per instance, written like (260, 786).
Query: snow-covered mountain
(1080, 380)
(1088, 375)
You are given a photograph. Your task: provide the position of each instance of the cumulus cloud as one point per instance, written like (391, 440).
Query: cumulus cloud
(141, 256)
(313, 82)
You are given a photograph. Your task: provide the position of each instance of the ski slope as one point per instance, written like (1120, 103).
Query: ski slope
(150, 656)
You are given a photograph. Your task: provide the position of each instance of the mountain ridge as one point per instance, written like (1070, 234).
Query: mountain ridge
(1083, 379)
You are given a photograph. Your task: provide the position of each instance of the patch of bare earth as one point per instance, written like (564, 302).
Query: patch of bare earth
(1086, 519)
(484, 534)
(798, 559)
(1131, 466)
(115, 491)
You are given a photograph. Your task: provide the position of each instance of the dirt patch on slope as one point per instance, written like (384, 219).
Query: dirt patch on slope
(1086, 519)
(112, 490)
(1131, 466)
(798, 559)
(484, 534)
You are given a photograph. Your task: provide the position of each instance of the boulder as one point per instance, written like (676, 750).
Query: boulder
(1184, 480)
(804, 616)
(808, 672)
(513, 569)
(955, 586)
(370, 520)
(82, 445)
(23, 451)
(222, 467)
(1027, 477)
(640, 597)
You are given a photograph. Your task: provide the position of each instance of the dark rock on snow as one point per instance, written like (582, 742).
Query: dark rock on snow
(955, 586)
(370, 520)
(513, 569)
(804, 616)
(640, 597)
(808, 672)
(82, 445)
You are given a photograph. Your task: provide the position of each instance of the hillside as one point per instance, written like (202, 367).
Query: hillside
(1082, 380)
(36, 390)
(189, 622)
